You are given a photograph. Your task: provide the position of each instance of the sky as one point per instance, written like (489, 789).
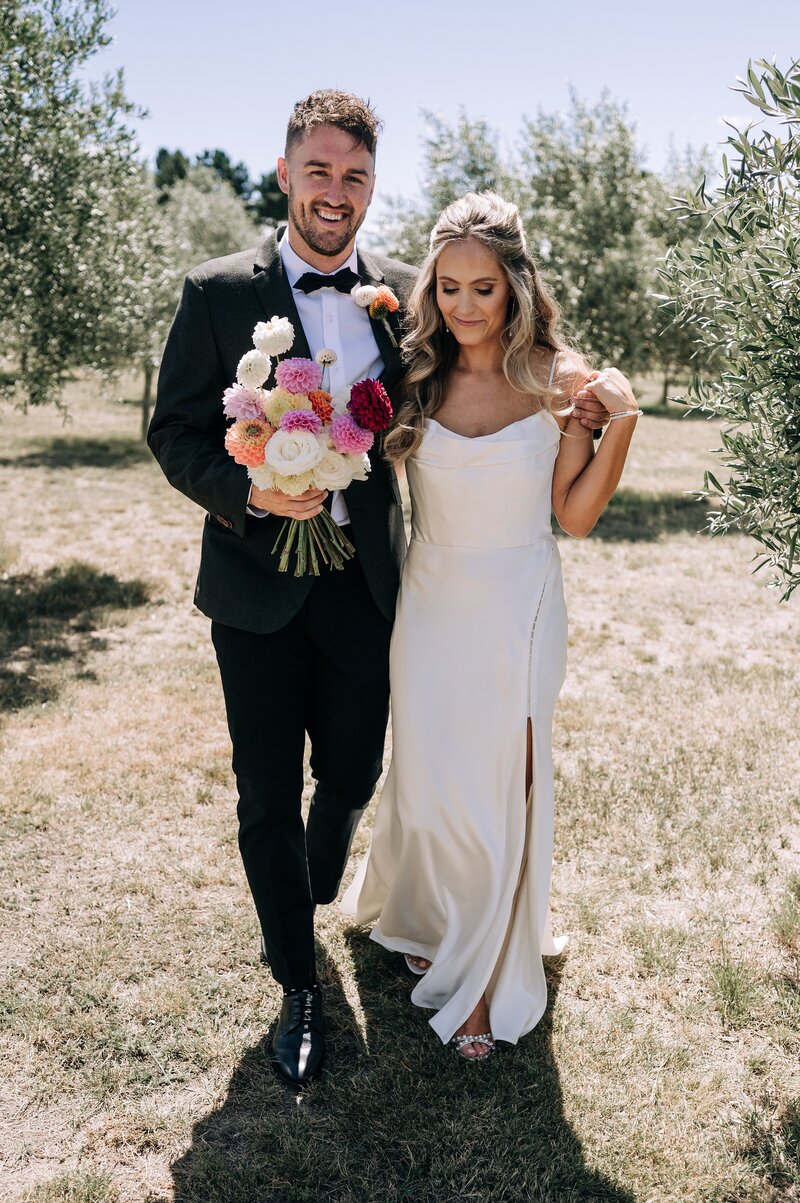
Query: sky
(226, 74)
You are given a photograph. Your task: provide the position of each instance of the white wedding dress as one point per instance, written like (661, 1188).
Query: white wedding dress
(459, 867)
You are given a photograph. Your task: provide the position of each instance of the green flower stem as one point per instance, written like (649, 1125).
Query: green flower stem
(312, 540)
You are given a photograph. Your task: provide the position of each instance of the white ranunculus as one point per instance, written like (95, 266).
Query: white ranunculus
(334, 470)
(291, 452)
(274, 337)
(253, 369)
(359, 466)
(364, 295)
(262, 476)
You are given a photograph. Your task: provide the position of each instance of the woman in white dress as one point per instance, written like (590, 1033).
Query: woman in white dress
(493, 432)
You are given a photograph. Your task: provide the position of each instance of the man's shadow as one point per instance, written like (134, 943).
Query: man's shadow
(395, 1116)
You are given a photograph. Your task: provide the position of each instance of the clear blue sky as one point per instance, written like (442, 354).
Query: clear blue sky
(226, 72)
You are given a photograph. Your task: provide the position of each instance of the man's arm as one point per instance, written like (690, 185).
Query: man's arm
(188, 427)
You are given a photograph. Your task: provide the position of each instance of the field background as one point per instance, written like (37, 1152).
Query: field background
(134, 1011)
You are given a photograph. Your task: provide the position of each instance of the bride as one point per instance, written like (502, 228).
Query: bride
(458, 873)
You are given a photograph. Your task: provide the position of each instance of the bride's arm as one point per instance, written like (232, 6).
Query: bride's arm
(583, 484)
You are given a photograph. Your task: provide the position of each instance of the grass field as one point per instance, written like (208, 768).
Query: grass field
(134, 1010)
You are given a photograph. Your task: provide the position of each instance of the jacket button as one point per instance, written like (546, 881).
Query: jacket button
(223, 521)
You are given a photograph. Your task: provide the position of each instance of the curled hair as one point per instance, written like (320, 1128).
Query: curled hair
(339, 109)
(430, 352)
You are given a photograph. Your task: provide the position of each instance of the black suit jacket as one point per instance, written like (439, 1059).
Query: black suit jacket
(239, 583)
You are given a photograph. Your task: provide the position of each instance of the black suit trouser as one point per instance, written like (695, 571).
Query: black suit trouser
(325, 673)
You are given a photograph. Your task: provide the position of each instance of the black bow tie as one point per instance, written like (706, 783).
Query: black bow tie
(342, 281)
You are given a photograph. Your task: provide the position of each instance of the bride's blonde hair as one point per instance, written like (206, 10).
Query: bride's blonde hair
(430, 352)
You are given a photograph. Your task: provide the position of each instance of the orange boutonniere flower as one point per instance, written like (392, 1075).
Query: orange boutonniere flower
(379, 302)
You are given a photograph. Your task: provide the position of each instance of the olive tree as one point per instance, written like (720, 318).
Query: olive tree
(71, 199)
(738, 290)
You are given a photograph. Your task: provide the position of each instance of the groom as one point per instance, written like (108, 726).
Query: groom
(302, 655)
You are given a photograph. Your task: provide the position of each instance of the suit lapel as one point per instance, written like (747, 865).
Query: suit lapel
(274, 293)
(370, 273)
(275, 297)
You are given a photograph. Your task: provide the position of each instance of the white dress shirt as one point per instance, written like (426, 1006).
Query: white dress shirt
(332, 319)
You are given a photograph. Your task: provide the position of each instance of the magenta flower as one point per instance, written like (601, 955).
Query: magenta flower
(348, 437)
(301, 419)
(370, 405)
(241, 403)
(298, 375)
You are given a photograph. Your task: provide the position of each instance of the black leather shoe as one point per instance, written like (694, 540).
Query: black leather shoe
(298, 1045)
(330, 829)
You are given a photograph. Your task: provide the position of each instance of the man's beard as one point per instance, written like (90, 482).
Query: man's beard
(340, 235)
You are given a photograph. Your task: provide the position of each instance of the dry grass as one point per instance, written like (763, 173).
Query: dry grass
(134, 1010)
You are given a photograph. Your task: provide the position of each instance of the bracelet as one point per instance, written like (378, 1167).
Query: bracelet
(626, 413)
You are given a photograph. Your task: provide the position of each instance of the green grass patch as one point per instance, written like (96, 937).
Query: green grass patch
(83, 1186)
(735, 990)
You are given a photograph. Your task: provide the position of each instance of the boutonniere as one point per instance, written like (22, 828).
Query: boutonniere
(380, 302)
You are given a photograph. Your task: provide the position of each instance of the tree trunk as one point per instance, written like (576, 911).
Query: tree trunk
(146, 395)
(665, 390)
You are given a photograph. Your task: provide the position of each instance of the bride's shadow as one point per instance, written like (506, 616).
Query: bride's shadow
(395, 1115)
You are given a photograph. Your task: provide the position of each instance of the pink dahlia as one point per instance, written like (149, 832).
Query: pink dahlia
(301, 419)
(241, 402)
(348, 437)
(298, 375)
(246, 441)
(370, 405)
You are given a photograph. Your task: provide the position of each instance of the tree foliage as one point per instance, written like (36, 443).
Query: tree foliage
(739, 290)
(235, 174)
(456, 159)
(202, 218)
(71, 195)
(674, 349)
(171, 166)
(591, 213)
(268, 204)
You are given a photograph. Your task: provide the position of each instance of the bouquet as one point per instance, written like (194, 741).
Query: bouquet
(296, 436)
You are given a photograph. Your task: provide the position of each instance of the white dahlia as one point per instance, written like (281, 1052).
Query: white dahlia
(253, 369)
(274, 337)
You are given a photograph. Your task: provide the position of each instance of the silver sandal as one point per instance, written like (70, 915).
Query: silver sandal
(486, 1038)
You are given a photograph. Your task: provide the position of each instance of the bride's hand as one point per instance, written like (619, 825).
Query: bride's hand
(611, 389)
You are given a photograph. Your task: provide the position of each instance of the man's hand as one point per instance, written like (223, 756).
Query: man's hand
(609, 389)
(307, 505)
(590, 412)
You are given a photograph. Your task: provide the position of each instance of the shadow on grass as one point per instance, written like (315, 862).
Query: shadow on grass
(46, 619)
(635, 517)
(81, 453)
(395, 1116)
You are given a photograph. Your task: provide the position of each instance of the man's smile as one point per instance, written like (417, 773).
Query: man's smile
(331, 216)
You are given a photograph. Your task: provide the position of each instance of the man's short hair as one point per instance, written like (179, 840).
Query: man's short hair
(339, 109)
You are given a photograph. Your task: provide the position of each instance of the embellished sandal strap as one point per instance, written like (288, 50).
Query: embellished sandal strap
(487, 1038)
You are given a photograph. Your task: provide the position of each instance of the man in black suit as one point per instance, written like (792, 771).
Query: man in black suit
(296, 655)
